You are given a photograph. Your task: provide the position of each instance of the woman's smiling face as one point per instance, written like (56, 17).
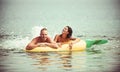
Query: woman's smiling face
(65, 30)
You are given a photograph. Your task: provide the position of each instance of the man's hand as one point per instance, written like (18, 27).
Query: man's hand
(41, 44)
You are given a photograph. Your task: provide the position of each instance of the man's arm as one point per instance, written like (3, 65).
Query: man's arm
(32, 44)
(51, 43)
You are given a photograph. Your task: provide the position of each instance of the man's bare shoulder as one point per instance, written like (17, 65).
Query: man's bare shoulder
(36, 38)
(48, 37)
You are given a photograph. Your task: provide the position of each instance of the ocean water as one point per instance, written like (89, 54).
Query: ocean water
(21, 21)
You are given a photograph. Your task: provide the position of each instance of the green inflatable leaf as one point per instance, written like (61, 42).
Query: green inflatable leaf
(90, 42)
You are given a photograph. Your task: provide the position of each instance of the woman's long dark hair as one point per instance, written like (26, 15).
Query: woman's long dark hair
(70, 32)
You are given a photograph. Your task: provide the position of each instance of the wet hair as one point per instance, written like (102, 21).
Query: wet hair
(43, 29)
(70, 31)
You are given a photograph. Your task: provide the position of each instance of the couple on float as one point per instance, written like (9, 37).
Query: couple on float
(45, 40)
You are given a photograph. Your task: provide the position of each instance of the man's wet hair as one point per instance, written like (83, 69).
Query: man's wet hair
(43, 29)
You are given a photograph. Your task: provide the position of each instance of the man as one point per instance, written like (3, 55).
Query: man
(42, 40)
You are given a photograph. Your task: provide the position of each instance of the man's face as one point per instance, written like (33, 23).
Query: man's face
(44, 34)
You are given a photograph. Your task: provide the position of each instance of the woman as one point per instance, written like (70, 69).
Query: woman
(66, 37)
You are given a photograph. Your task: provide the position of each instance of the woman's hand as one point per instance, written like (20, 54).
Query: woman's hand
(59, 44)
(70, 45)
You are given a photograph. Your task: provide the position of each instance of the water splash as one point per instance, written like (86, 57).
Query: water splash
(16, 42)
(36, 31)
(12, 41)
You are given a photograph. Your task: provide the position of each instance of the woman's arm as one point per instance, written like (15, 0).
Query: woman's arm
(56, 38)
(74, 40)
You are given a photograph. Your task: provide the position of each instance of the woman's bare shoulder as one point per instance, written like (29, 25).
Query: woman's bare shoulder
(58, 35)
